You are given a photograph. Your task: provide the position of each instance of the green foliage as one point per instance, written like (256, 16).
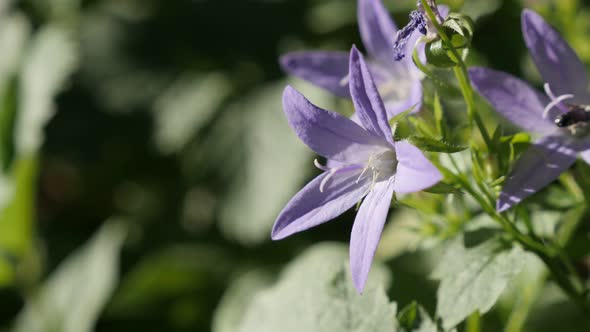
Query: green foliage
(272, 152)
(73, 297)
(413, 318)
(315, 293)
(472, 278)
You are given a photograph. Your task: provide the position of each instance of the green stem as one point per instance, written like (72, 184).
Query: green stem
(473, 323)
(462, 76)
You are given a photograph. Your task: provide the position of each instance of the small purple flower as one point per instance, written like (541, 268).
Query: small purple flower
(420, 22)
(397, 82)
(364, 162)
(561, 115)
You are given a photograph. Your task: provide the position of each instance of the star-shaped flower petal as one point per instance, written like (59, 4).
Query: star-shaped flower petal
(367, 163)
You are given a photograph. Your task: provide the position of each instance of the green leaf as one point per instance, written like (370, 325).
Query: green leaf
(237, 299)
(18, 212)
(186, 107)
(399, 117)
(8, 111)
(434, 145)
(172, 275)
(274, 164)
(473, 278)
(315, 294)
(413, 318)
(76, 292)
(51, 59)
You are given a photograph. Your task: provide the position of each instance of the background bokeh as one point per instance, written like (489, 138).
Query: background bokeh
(145, 155)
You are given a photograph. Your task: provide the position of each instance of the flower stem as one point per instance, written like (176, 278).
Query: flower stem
(473, 323)
(462, 76)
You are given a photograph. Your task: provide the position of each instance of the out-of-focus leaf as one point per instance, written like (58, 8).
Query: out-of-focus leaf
(14, 33)
(75, 294)
(401, 234)
(58, 9)
(18, 209)
(519, 297)
(168, 275)
(472, 279)
(475, 9)
(8, 109)
(315, 293)
(237, 299)
(50, 60)
(413, 318)
(274, 166)
(185, 107)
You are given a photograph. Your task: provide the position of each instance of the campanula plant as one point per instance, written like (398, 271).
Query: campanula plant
(460, 186)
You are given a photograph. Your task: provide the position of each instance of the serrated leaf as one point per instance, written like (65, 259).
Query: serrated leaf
(316, 294)
(434, 145)
(75, 294)
(473, 278)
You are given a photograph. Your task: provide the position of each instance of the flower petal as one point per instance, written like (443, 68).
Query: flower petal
(328, 70)
(311, 207)
(328, 133)
(542, 163)
(414, 171)
(558, 63)
(377, 30)
(414, 99)
(366, 231)
(367, 102)
(514, 99)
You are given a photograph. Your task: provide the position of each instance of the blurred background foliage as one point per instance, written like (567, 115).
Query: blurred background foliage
(145, 156)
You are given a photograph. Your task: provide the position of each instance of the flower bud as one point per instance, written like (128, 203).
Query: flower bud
(459, 29)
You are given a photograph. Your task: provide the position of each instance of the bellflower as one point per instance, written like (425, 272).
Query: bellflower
(398, 82)
(560, 115)
(365, 161)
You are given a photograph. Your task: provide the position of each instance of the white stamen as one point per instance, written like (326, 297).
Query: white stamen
(326, 179)
(548, 91)
(555, 102)
(320, 166)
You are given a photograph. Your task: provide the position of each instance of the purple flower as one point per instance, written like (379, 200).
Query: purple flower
(420, 22)
(397, 82)
(561, 115)
(364, 161)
